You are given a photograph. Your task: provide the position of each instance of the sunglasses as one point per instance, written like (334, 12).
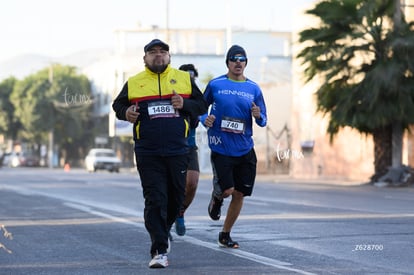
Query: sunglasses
(238, 58)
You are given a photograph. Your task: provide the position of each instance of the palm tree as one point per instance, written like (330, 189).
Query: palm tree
(364, 53)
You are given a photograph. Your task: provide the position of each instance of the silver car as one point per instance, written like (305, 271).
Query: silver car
(102, 158)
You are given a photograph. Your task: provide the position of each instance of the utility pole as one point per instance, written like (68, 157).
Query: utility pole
(167, 18)
(397, 130)
(50, 136)
(229, 41)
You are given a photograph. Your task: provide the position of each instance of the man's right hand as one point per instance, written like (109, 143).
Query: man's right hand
(132, 113)
(208, 122)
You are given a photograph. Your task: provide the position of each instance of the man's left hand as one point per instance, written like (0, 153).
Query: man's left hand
(255, 111)
(177, 101)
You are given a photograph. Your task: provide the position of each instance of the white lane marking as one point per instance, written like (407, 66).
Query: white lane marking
(236, 252)
(87, 209)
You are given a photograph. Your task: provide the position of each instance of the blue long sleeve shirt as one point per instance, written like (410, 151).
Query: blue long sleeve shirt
(231, 102)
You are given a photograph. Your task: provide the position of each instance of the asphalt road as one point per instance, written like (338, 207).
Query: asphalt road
(91, 223)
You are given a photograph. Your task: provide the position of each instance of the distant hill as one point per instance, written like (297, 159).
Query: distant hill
(85, 58)
(23, 65)
(26, 64)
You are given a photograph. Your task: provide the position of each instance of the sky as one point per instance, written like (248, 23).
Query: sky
(57, 28)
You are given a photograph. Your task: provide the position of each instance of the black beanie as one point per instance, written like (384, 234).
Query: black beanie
(189, 67)
(235, 49)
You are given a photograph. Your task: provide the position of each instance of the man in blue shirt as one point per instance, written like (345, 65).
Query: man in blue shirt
(235, 102)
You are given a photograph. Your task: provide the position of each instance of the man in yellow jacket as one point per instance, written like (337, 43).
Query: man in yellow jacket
(159, 102)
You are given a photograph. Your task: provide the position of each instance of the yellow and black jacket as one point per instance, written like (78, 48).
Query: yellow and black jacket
(160, 130)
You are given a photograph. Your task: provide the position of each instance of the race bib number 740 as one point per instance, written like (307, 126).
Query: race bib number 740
(232, 125)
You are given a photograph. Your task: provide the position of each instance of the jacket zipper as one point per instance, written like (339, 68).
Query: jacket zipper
(159, 85)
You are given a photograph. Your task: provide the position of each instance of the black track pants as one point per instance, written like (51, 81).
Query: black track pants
(163, 184)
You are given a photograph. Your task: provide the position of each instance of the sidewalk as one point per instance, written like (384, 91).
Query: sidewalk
(321, 180)
(290, 179)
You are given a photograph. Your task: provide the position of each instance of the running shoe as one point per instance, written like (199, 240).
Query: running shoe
(214, 208)
(225, 240)
(159, 261)
(180, 226)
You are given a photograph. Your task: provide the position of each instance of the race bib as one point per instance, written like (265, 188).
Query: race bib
(232, 125)
(161, 109)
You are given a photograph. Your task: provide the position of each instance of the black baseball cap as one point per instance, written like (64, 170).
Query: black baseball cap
(156, 42)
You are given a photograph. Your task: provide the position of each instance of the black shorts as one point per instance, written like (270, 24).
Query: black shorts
(237, 172)
(193, 160)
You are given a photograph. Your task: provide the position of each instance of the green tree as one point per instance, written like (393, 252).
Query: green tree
(364, 55)
(56, 99)
(8, 123)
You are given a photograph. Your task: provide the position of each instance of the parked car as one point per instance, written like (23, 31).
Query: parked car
(102, 159)
(30, 160)
(5, 159)
(12, 159)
